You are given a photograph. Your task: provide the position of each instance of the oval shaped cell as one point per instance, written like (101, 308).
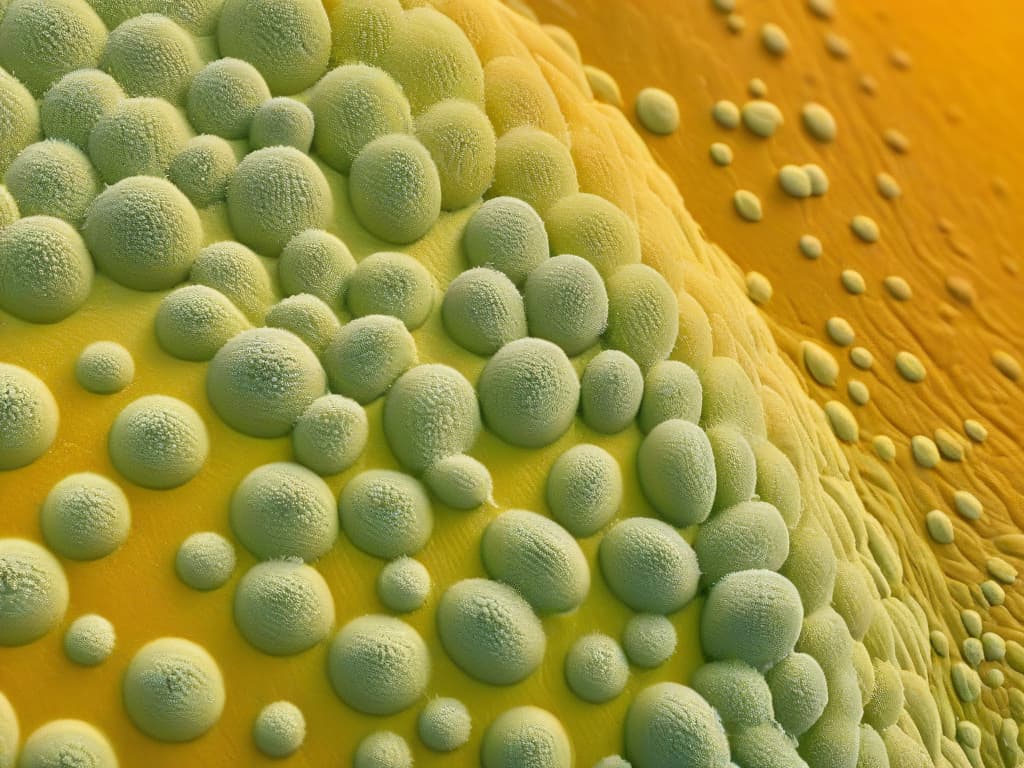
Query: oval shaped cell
(367, 355)
(517, 94)
(202, 169)
(193, 322)
(649, 640)
(461, 141)
(205, 561)
(403, 584)
(735, 466)
(444, 724)
(765, 744)
(274, 194)
(284, 510)
(386, 513)
(318, 263)
(596, 668)
(754, 616)
(730, 398)
(811, 566)
(173, 690)
(566, 303)
(589, 226)
(508, 235)
(528, 393)
(67, 742)
(361, 29)
(52, 178)
(150, 55)
(649, 566)
(394, 189)
(46, 272)
(584, 489)
(799, 692)
(538, 558)
(643, 314)
(353, 105)
(490, 631)
(460, 481)
(482, 311)
(393, 284)
(35, 595)
(20, 124)
(431, 412)
(238, 273)
(262, 380)
(89, 640)
(288, 41)
(10, 732)
(85, 516)
(672, 390)
(676, 469)
(41, 40)
(432, 59)
(526, 733)
(104, 368)
(379, 665)
(143, 233)
(224, 96)
(308, 317)
(778, 482)
(158, 442)
(737, 691)
(279, 729)
(330, 435)
(138, 137)
(748, 535)
(282, 122)
(670, 724)
(611, 391)
(533, 166)
(383, 749)
(73, 105)
(283, 607)
(29, 417)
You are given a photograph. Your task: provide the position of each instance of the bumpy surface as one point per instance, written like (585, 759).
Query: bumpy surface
(205, 561)
(52, 178)
(104, 367)
(330, 435)
(528, 736)
(89, 640)
(85, 516)
(584, 489)
(403, 584)
(279, 729)
(367, 355)
(35, 594)
(393, 284)
(386, 513)
(671, 724)
(67, 742)
(444, 724)
(158, 442)
(482, 311)
(506, 234)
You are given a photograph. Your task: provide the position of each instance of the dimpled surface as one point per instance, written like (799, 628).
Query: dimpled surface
(353, 105)
(596, 668)
(526, 737)
(811, 566)
(611, 391)
(735, 466)
(444, 724)
(283, 607)
(308, 317)
(173, 690)
(85, 516)
(202, 169)
(8, 208)
(195, 321)
(379, 665)
(72, 743)
(367, 355)
(490, 631)
(279, 729)
(670, 724)
(284, 510)
(754, 616)
(19, 118)
(33, 592)
(262, 380)
(361, 29)
(205, 561)
(28, 417)
(46, 273)
(104, 367)
(528, 393)
(282, 122)
(777, 482)
(395, 189)
(89, 640)
(566, 303)
(383, 749)
(386, 513)
(676, 469)
(747, 535)
(138, 136)
(643, 314)
(330, 435)
(143, 233)
(538, 558)
(799, 692)
(274, 194)
(150, 55)
(506, 234)
(590, 226)
(393, 284)
(672, 390)
(316, 262)
(288, 41)
(584, 489)
(52, 178)
(460, 481)
(736, 690)
(74, 104)
(482, 311)
(403, 584)
(158, 442)
(533, 166)
(649, 566)
(197, 16)
(765, 745)
(649, 640)
(238, 273)
(461, 141)
(224, 96)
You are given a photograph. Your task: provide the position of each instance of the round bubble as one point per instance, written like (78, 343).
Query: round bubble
(799, 692)
(611, 391)
(590, 226)
(671, 391)
(535, 167)
(566, 303)
(367, 355)
(85, 516)
(89, 640)
(150, 55)
(35, 594)
(731, 398)
(735, 466)
(444, 724)
(386, 513)
(403, 585)
(104, 368)
(482, 311)
(238, 273)
(748, 535)
(52, 178)
(205, 561)
(460, 139)
(318, 263)
(383, 749)
(138, 136)
(676, 469)
(330, 435)
(811, 566)
(584, 489)
(282, 122)
(67, 742)
(20, 124)
(777, 482)
(596, 668)
(74, 104)
(670, 724)
(279, 729)
(529, 733)
(649, 640)
(158, 442)
(643, 314)
(193, 322)
(736, 690)
(459, 481)
(393, 284)
(308, 317)
(508, 235)
(28, 417)
(224, 96)
(202, 169)
(361, 29)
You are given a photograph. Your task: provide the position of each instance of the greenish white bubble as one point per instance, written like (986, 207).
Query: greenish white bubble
(403, 584)
(316, 262)
(224, 96)
(726, 114)
(460, 481)
(368, 355)
(810, 246)
(383, 749)
(482, 311)
(52, 178)
(759, 288)
(819, 122)
(283, 607)
(238, 273)
(89, 640)
(104, 368)
(461, 142)
(778, 482)
(284, 510)
(506, 234)
(330, 435)
(799, 692)
(279, 729)
(794, 181)
(670, 724)
(308, 317)
(361, 29)
(282, 122)
(85, 516)
(395, 284)
(596, 669)
(150, 55)
(379, 665)
(721, 153)
(649, 640)
(657, 111)
(444, 724)
(490, 631)
(853, 281)
(584, 489)
(643, 314)
(747, 535)
(205, 561)
(386, 513)
(590, 226)
(526, 731)
(737, 691)
(843, 422)
(535, 167)
(67, 742)
(20, 124)
(886, 702)
(611, 391)
(676, 470)
(967, 505)
(29, 417)
(818, 177)
(672, 390)
(761, 117)
(202, 169)
(735, 466)
(173, 690)
(910, 367)
(865, 228)
(747, 205)
(566, 303)
(158, 442)
(35, 596)
(194, 321)
(262, 380)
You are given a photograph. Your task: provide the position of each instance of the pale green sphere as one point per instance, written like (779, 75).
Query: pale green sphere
(670, 724)
(394, 284)
(35, 595)
(361, 29)
(459, 481)
(19, 118)
(672, 390)
(508, 235)
(282, 122)
(444, 724)
(643, 314)
(205, 561)
(150, 55)
(584, 489)
(316, 262)
(735, 466)
(330, 435)
(53, 178)
(89, 640)
(611, 391)
(202, 169)
(224, 96)
(238, 273)
(526, 734)
(9, 212)
(676, 469)
(596, 668)
(566, 303)
(113, 12)
(386, 513)
(138, 137)
(403, 585)
(383, 749)
(590, 226)
(461, 142)
(28, 417)
(737, 691)
(482, 311)
(67, 743)
(279, 729)
(193, 322)
(750, 534)
(104, 368)
(649, 640)
(367, 356)
(158, 442)
(534, 166)
(85, 516)
(76, 102)
(308, 317)
(799, 692)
